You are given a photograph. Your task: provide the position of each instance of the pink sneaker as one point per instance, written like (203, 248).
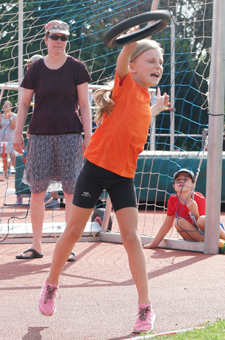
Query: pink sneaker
(145, 321)
(46, 303)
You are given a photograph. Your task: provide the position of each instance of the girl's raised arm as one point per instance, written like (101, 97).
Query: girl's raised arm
(123, 59)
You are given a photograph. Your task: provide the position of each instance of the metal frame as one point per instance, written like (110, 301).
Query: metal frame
(166, 243)
(216, 122)
(215, 132)
(20, 48)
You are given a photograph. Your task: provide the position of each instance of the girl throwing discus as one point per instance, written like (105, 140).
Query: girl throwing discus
(124, 116)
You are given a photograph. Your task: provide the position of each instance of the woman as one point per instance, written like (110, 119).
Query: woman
(55, 143)
(7, 130)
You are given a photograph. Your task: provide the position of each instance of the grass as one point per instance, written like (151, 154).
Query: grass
(210, 331)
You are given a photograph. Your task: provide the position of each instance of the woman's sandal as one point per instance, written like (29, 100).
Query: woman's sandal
(34, 255)
(72, 257)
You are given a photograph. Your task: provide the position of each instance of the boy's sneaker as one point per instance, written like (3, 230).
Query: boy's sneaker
(48, 198)
(46, 303)
(145, 321)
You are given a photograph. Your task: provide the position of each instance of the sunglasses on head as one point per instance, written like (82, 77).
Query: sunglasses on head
(57, 37)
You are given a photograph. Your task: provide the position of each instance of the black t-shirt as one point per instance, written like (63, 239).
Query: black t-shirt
(56, 99)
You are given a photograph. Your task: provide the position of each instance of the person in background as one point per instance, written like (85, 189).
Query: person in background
(34, 58)
(187, 209)
(123, 116)
(7, 131)
(55, 144)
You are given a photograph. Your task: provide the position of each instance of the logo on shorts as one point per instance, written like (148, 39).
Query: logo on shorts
(86, 194)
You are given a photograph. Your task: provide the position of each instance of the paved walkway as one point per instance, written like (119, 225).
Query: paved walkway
(98, 298)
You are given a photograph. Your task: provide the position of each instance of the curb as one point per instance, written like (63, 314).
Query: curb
(150, 336)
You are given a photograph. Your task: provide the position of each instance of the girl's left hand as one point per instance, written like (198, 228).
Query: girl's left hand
(162, 103)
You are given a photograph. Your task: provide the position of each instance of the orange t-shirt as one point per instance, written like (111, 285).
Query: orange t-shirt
(117, 142)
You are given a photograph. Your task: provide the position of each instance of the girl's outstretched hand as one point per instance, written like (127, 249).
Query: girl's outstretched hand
(162, 103)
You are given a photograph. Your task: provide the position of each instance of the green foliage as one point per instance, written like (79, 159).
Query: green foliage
(89, 20)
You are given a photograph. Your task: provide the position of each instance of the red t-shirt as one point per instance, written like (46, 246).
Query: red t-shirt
(56, 99)
(117, 142)
(177, 209)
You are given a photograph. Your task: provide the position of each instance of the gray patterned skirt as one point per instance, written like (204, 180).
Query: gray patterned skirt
(53, 162)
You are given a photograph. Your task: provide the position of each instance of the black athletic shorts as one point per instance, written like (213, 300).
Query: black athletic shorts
(93, 179)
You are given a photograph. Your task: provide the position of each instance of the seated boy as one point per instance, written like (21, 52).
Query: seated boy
(187, 208)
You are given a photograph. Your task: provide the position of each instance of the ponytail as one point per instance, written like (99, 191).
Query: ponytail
(103, 101)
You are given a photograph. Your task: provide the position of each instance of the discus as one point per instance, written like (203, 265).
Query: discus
(161, 19)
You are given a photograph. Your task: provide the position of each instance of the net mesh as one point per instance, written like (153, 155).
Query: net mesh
(176, 138)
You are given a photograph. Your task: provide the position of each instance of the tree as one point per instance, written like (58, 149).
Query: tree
(90, 19)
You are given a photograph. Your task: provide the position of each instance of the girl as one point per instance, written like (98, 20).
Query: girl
(7, 131)
(125, 115)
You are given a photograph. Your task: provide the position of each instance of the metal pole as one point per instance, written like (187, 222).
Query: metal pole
(20, 48)
(152, 134)
(155, 6)
(153, 121)
(215, 136)
(172, 82)
(223, 45)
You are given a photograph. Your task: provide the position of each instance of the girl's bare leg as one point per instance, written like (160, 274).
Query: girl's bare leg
(68, 205)
(73, 232)
(128, 219)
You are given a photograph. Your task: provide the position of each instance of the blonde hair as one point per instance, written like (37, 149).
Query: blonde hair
(143, 46)
(103, 101)
(102, 97)
(7, 102)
